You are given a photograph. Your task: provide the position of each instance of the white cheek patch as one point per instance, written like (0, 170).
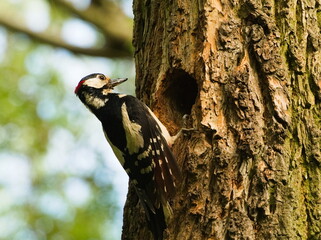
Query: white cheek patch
(95, 101)
(95, 83)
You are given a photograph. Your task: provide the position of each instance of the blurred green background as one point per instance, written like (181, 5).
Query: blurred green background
(58, 177)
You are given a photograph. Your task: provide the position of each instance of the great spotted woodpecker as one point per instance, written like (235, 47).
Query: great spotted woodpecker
(140, 142)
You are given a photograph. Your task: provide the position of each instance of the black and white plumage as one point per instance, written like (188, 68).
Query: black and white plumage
(140, 142)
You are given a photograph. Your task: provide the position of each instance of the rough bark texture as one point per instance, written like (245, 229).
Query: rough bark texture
(248, 75)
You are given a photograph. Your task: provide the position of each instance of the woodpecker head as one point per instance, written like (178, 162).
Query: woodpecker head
(93, 89)
(97, 82)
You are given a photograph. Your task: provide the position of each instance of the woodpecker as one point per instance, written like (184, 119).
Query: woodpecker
(140, 142)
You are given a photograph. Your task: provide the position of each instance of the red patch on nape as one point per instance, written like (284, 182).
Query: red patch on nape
(78, 86)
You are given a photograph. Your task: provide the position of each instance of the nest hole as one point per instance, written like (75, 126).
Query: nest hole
(179, 92)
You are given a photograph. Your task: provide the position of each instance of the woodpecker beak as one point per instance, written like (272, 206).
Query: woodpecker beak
(116, 81)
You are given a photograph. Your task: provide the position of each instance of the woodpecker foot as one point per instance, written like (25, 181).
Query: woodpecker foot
(182, 131)
(185, 131)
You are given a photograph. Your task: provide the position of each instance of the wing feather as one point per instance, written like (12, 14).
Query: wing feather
(153, 167)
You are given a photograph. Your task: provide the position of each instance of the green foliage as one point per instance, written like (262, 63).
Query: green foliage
(34, 110)
(55, 176)
(54, 180)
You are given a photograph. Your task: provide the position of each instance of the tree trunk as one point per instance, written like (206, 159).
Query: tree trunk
(247, 76)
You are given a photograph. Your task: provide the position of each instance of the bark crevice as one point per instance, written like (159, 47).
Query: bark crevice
(251, 170)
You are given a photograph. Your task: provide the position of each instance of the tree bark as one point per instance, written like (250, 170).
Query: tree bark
(247, 75)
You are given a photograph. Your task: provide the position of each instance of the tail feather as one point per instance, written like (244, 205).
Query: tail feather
(162, 188)
(157, 217)
(157, 223)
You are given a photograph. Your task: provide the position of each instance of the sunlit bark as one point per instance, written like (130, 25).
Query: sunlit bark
(247, 74)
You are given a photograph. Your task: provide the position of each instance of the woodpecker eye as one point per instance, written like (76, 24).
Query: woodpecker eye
(102, 77)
